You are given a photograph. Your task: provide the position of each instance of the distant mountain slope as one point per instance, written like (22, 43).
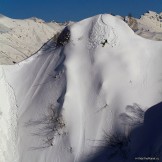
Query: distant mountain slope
(148, 26)
(19, 39)
(151, 21)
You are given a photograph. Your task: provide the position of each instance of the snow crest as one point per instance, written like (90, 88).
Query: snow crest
(102, 31)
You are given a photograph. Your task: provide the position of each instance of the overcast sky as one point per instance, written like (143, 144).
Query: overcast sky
(64, 10)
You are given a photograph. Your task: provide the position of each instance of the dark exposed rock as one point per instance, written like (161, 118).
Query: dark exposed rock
(63, 37)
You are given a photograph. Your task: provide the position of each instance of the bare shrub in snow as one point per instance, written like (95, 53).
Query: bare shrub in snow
(49, 126)
(104, 42)
(133, 116)
(118, 144)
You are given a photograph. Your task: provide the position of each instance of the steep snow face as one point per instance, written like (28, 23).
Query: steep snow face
(19, 39)
(70, 93)
(108, 68)
(35, 96)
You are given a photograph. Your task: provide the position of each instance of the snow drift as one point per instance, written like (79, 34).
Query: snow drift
(57, 105)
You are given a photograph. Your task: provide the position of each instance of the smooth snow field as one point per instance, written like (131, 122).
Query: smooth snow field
(84, 97)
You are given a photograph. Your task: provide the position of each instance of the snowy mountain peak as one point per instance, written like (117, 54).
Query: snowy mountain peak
(96, 80)
(37, 19)
(102, 30)
(153, 16)
(152, 20)
(148, 26)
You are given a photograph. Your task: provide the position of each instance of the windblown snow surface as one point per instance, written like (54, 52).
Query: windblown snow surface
(59, 104)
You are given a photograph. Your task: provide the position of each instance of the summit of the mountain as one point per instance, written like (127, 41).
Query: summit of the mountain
(83, 93)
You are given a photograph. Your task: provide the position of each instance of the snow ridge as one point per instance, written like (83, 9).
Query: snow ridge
(100, 32)
(8, 124)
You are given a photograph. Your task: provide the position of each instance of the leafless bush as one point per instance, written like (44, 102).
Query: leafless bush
(133, 116)
(51, 125)
(118, 144)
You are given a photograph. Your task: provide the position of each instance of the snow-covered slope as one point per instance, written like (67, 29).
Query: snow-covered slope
(57, 105)
(19, 39)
